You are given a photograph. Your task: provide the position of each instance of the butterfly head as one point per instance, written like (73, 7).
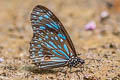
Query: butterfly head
(74, 61)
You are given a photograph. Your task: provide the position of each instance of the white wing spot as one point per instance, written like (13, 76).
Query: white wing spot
(61, 40)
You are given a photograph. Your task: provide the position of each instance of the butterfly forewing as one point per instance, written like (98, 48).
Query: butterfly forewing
(51, 45)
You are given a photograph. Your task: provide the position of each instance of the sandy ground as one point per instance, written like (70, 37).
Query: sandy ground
(100, 48)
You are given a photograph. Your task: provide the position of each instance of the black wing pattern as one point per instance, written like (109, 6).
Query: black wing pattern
(51, 45)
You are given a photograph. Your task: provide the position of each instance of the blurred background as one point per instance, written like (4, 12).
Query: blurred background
(93, 25)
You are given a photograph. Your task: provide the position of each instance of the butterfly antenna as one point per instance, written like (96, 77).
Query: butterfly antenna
(90, 59)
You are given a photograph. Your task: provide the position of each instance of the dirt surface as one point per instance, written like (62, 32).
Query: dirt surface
(100, 48)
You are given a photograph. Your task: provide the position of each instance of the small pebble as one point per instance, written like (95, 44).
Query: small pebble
(104, 15)
(1, 60)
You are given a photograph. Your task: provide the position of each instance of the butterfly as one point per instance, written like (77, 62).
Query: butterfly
(51, 46)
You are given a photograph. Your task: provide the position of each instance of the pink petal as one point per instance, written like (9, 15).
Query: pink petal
(90, 26)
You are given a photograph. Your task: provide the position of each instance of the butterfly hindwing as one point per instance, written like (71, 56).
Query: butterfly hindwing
(51, 45)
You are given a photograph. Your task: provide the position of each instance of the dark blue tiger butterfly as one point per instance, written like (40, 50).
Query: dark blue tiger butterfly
(51, 46)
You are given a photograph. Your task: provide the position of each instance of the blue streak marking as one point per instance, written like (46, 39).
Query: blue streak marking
(70, 54)
(46, 66)
(40, 18)
(40, 39)
(40, 54)
(58, 59)
(56, 38)
(48, 45)
(46, 16)
(49, 25)
(39, 46)
(46, 37)
(52, 63)
(60, 35)
(52, 38)
(65, 47)
(42, 27)
(63, 53)
(59, 46)
(53, 44)
(55, 25)
(55, 58)
(41, 49)
(56, 53)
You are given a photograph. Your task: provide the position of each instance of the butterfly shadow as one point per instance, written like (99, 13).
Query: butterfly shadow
(40, 71)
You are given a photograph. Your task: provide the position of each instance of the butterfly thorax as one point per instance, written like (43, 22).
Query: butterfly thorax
(74, 61)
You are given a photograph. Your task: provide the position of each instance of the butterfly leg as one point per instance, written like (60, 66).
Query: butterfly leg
(70, 70)
(64, 70)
